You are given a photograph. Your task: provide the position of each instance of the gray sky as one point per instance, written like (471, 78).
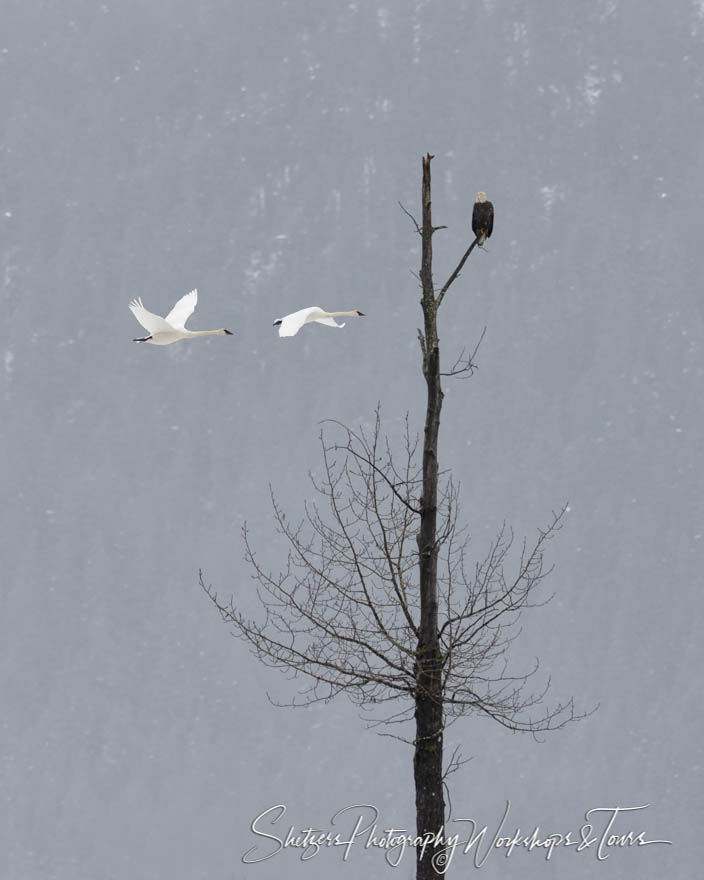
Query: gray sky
(259, 152)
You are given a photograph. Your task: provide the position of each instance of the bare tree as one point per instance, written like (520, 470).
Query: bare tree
(378, 598)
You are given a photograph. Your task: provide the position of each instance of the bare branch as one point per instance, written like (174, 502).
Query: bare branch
(362, 455)
(458, 269)
(408, 214)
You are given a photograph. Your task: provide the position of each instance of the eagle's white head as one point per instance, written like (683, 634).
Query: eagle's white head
(481, 197)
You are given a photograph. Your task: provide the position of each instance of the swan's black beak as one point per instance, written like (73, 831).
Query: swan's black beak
(360, 314)
(276, 323)
(228, 332)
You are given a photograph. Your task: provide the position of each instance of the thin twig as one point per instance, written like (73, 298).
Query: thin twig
(465, 367)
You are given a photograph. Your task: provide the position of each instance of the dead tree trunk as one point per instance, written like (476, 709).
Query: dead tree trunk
(428, 755)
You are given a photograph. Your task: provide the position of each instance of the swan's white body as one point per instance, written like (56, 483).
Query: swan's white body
(291, 324)
(164, 331)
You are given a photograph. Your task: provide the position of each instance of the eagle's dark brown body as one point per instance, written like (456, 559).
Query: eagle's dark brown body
(482, 218)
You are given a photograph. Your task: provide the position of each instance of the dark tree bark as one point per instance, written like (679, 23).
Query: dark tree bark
(428, 757)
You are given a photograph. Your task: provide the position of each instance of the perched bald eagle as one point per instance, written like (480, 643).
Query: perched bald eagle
(482, 218)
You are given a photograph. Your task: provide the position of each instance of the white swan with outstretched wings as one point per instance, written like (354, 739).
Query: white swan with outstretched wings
(291, 324)
(164, 331)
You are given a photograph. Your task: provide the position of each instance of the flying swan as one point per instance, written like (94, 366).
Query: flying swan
(291, 324)
(164, 331)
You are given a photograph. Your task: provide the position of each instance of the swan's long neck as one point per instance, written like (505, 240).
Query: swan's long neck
(220, 332)
(341, 314)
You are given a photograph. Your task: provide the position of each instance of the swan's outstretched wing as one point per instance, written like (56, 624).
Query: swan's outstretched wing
(152, 323)
(183, 310)
(330, 322)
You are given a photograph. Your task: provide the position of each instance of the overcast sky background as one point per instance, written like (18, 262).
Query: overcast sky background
(258, 152)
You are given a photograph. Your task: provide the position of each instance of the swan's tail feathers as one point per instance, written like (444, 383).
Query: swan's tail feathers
(143, 339)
